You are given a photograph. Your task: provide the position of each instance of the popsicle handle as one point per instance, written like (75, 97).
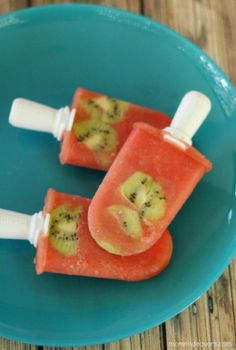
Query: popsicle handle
(192, 111)
(31, 115)
(15, 225)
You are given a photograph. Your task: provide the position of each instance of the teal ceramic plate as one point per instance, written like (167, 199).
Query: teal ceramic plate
(45, 54)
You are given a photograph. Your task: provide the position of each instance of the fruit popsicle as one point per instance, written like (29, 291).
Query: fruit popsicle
(148, 183)
(92, 131)
(64, 244)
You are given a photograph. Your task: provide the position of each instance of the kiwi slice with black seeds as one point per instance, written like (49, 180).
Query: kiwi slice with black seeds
(146, 195)
(63, 229)
(96, 135)
(128, 219)
(108, 110)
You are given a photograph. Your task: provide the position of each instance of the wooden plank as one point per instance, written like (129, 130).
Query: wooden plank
(12, 5)
(210, 320)
(222, 315)
(210, 24)
(131, 5)
(12, 345)
(149, 340)
(95, 347)
(232, 271)
(131, 343)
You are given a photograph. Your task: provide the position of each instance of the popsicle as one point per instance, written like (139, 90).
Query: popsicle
(64, 245)
(92, 131)
(149, 181)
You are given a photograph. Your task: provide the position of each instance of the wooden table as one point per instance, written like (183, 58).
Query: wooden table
(210, 323)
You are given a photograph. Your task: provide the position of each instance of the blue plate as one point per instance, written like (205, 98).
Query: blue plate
(45, 54)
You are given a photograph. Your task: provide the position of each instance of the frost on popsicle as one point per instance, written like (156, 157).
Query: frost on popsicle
(146, 195)
(63, 227)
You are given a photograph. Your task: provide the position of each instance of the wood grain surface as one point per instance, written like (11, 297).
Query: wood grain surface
(210, 323)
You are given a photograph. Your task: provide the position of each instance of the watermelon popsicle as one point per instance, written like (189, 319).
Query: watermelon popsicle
(148, 183)
(92, 131)
(64, 245)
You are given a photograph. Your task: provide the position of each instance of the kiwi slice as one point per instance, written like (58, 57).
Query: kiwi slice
(63, 229)
(110, 248)
(96, 135)
(109, 110)
(146, 195)
(128, 219)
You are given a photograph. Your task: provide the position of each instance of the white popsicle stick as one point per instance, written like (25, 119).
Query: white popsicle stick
(30, 115)
(15, 225)
(191, 113)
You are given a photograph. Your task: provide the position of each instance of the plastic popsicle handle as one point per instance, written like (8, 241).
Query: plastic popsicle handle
(30, 115)
(15, 225)
(191, 113)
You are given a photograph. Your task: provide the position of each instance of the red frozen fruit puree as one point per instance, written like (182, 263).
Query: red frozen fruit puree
(80, 255)
(143, 190)
(101, 126)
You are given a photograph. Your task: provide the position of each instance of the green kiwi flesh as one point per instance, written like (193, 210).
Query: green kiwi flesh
(106, 109)
(110, 248)
(63, 229)
(128, 219)
(146, 195)
(97, 136)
